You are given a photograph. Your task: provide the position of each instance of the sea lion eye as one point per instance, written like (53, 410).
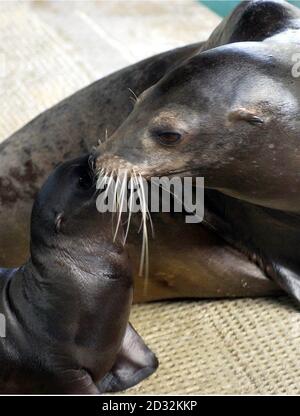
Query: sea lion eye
(255, 120)
(85, 182)
(169, 138)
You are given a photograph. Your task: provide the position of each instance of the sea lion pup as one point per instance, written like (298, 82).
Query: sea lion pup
(231, 114)
(67, 308)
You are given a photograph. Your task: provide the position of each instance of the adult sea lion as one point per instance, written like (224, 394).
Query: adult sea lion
(231, 114)
(67, 308)
(178, 268)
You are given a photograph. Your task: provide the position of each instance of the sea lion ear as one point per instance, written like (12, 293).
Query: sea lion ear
(243, 114)
(135, 362)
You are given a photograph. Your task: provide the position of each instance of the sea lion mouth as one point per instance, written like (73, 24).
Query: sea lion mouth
(112, 164)
(117, 164)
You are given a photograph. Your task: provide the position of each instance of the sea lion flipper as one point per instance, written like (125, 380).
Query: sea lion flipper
(288, 280)
(134, 363)
(72, 381)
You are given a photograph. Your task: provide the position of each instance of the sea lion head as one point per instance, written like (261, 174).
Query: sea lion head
(68, 191)
(65, 219)
(229, 114)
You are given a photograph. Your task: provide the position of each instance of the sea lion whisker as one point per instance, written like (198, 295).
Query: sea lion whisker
(143, 240)
(148, 216)
(145, 236)
(99, 171)
(142, 249)
(148, 213)
(140, 199)
(104, 176)
(130, 210)
(110, 180)
(135, 97)
(115, 197)
(122, 197)
(144, 262)
(141, 225)
(141, 202)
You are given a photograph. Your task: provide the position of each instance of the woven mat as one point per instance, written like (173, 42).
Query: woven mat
(228, 347)
(248, 346)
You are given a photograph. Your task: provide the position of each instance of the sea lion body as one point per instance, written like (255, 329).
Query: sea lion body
(230, 114)
(67, 308)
